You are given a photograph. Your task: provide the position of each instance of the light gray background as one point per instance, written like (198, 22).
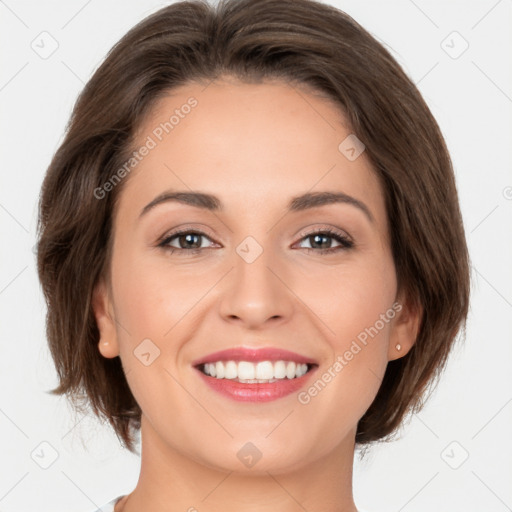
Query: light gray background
(469, 414)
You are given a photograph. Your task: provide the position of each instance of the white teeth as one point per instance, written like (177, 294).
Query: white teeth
(279, 369)
(219, 370)
(230, 370)
(263, 371)
(290, 370)
(246, 370)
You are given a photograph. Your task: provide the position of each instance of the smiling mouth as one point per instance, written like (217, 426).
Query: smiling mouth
(261, 372)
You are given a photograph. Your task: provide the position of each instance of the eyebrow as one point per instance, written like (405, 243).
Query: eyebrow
(296, 204)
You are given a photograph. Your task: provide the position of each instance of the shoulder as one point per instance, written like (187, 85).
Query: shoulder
(108, 507)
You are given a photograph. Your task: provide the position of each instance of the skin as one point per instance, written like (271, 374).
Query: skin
(254, 147)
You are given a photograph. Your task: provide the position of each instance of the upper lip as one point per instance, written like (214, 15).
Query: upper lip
(254, 355)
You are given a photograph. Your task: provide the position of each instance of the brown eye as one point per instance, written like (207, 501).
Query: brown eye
(185, 241)
(189, 241)
(321, 241)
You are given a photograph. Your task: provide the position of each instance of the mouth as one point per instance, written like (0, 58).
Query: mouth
(262, 372)
(259, 375)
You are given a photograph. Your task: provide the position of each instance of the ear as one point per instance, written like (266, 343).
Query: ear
(103, 312)
(404, 328)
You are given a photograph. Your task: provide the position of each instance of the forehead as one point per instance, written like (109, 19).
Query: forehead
(252, 145)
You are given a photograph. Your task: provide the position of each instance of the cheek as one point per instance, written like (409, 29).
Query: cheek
(351, 299)
(360, 311)
(151, 299)
(361, 316)
(150, 302)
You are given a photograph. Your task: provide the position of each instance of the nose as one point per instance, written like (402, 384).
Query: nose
(256, 293)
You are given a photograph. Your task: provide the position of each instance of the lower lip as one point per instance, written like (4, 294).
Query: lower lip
(264, 392)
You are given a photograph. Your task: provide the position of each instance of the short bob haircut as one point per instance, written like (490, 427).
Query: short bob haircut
(300, 42)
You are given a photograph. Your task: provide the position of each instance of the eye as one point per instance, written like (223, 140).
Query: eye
(185, 241)
(321, 241)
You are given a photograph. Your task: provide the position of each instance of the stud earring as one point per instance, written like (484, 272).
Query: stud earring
(398, 346)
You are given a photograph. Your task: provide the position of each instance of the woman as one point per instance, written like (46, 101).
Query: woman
(252, 251)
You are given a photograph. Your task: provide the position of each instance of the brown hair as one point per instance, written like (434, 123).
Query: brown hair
(301, 42)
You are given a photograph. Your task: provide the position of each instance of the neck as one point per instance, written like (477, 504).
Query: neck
(169, 480)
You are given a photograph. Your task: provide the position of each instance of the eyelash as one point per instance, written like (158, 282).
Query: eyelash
(331, 233)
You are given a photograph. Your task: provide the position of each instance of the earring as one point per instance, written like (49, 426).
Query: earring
(398, 346)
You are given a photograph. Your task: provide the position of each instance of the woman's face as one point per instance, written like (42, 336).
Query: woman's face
(251, 273)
